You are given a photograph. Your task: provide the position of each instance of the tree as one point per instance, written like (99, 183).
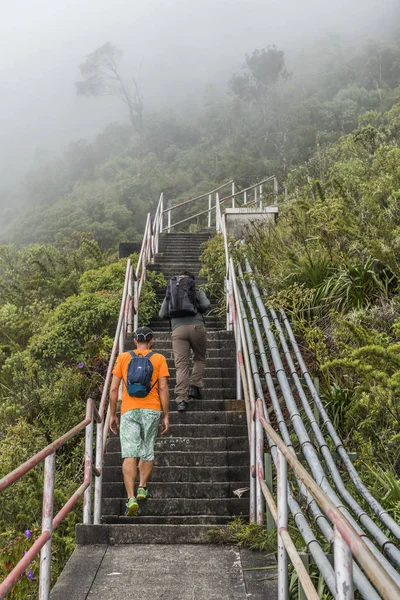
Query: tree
(261, 87)
(101, 77)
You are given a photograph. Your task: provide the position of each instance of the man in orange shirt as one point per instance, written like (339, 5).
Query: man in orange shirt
(140, 417)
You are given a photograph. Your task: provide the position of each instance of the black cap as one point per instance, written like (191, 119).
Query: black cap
(143, 334)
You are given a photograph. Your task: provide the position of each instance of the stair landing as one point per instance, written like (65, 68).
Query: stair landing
(163, 572)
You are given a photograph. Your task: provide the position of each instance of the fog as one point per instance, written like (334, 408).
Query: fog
(173, 47)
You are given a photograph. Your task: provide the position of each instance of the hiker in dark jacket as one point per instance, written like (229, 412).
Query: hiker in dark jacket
(188, 332)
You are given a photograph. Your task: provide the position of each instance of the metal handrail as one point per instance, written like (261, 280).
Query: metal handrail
(347, 537)
(171, 208)
(249, 383)
(50, 522)
(377, 574)
(254, 187)
(385, 543)
(256, 468)
(258, 186)
(385, 517)
(361, 581)
(311, 455)
(236, 316)
(124, 322)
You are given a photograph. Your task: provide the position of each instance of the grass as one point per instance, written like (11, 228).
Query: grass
(247, 535)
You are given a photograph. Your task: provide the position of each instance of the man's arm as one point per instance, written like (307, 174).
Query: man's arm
(164, 399)
(163, 314)
(114, 425)
(204, 303)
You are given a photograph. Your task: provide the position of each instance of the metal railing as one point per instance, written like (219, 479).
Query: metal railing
(48, 455)
(49, 522)
(252, 194)
(247, 197)
(207, 211)
(358, 562)
(352, 547)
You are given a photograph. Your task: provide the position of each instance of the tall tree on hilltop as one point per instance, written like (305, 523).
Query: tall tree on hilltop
(260, 87)
(101, 77)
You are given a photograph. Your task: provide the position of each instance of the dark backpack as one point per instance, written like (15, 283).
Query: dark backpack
(140, 371)
(181, 297)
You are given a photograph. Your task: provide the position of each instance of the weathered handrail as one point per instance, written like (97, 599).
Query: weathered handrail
(378, 509)
(124, 322)
(377, 574)
(255, 187)
(93, 415)
(49, 523)
(205, 195)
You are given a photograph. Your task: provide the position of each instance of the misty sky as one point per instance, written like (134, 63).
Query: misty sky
(174, 47)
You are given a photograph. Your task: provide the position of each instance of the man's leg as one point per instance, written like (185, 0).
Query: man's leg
(129, 471)
(145, 469)
(150, 420)
(130, 449)
(198, 342)
(181, 349)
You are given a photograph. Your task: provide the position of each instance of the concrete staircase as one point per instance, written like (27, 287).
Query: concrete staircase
(205, 456)
(198, 466)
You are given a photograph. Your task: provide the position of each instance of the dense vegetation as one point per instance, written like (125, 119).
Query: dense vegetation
(332, 262)
(329, 127)
(271, 120)
(58, 313)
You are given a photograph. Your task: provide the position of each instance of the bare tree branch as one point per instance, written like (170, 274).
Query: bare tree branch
(101, 77)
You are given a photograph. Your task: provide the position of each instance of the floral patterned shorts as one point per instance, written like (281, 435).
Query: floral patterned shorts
(138, 433)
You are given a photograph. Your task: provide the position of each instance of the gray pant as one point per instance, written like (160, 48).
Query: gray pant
(184, 338)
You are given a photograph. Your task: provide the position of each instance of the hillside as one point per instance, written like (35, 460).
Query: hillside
(332, 136)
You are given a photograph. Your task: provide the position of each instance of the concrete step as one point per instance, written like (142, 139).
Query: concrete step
(177, 264)
(168, 272)
(200, 281)
(204, 232)
(179, 256)
(209, 383)
(162, 520)
(193, 444)
(170, 458)
(208, 320)
(206, 430)
(211, 372)
(216, 345)
(212, 393)
(225, 366)
(144, 533)
(197, 419)
(209, 417)
(180, 474)
(167, 490)
(226, 363)
(189, 240)
(217, 405)
(164, 325)
(187, 243)
(214, 350)
(175, 267)
(223, 336)
(180, 506)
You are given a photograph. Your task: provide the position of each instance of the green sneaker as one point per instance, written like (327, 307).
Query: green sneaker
(142, 494)
(131, 507)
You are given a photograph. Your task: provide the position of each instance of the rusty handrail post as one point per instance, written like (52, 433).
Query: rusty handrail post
(47, 526)
(382, 581)
(343, 567)
(87, 499)
(283, 577)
